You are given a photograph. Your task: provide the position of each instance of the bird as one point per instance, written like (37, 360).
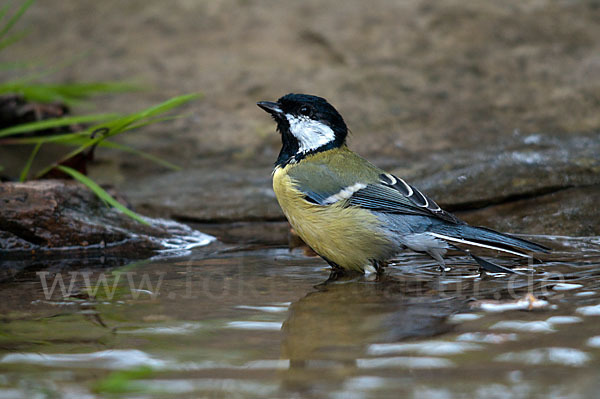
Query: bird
(355, 215)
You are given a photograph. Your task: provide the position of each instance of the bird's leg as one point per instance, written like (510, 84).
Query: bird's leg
(334, 275)
(438, 258)
(379, 265)
(333, 265)
(337, 273)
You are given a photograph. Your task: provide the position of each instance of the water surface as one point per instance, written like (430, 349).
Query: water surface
(269, 322)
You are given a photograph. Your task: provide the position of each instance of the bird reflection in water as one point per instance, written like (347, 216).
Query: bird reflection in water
(328, 330)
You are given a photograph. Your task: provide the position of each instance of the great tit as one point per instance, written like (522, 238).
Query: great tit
(353, 214)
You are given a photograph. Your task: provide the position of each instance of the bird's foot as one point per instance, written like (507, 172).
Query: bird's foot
(378, 266)
(444, 268)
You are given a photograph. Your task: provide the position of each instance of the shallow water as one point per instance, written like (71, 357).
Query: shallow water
(266, 322)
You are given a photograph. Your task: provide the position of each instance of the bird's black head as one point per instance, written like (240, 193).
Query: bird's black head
(307, 124)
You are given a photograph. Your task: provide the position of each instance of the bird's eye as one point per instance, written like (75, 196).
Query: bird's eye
(305, 110)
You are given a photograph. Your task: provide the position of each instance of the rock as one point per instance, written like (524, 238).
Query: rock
(255, 232)
(572, 212)
(61, 215)
(16, 110)
(207, 195)
(522, 168)
(537, 185)
(534, 184)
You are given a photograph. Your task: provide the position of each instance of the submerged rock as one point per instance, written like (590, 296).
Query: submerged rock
(52, 215)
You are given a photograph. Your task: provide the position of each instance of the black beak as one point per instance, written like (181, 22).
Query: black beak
(271, 107)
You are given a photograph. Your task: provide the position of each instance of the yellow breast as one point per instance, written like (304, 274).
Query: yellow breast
(347, 236)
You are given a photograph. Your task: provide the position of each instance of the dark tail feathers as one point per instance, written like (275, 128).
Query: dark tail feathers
(488, 237)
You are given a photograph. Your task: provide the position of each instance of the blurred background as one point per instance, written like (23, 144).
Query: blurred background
(432, 90)
(409, 76)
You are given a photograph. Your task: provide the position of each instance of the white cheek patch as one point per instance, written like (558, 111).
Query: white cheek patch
(310, 134)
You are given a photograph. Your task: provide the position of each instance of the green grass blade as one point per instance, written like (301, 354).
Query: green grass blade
(69, 139)
(27, 166)
(56, 122)
(12, 39)
(142, 154)
(29, 85)
(13, 20)
(69, 94)
(126, 123)
(81, 138)
(154, 120)
(84, 90)
(14, 65)
(130, 123)
(77, 138)
(70, 155)
(24, 81)
(168, 105)
(101, 193)
(120, 125)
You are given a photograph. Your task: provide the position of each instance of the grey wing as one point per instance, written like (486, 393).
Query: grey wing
(393, 195)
